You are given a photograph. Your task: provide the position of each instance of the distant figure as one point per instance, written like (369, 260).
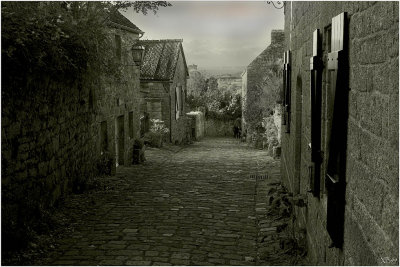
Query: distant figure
(235, 131)
(237, 127)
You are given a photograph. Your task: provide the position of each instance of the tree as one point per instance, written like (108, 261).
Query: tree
(60, 38)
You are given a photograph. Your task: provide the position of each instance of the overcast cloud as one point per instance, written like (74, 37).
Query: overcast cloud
(214, 33)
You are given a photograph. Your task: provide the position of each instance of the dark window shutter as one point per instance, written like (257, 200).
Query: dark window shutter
(337, 103)
(286, 90)
(315, 102)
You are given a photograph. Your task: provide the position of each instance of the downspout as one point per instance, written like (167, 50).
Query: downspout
(170, 119)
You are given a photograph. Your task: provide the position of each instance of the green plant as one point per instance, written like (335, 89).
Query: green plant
(158, 130)
(158, 126)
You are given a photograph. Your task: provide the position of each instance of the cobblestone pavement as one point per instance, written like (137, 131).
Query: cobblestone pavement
(196, 205)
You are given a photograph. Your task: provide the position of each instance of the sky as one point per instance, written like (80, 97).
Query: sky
(215, 33)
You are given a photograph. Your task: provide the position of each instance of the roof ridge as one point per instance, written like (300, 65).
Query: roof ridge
(118, 18)
(162, 40)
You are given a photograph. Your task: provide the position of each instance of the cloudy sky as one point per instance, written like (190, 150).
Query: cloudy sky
(214, 33)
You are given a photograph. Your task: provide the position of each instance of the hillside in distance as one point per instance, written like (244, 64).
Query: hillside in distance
(234, 71)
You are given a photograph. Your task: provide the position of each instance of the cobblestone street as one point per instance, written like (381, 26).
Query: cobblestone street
(196, 205)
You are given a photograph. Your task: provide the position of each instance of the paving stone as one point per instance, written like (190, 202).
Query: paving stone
(180, 262)
(151, 253)
(193, 207)
(110, 262)
(138, 263)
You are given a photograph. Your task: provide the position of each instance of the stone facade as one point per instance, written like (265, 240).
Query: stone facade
(256, 83)
(371, 155)
(163, 85)
(54, 132)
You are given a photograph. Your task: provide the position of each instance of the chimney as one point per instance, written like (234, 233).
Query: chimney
(277, 37)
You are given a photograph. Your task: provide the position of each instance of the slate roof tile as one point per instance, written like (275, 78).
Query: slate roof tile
(160, 58)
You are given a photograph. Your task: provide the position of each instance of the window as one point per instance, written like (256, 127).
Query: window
(286, 90)
(130, 124)
(103, 137)
(181, 96)
(178, 102)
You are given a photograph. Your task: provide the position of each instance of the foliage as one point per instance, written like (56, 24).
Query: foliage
(62, 39)
(218, 105)
(158, 126)
(265, 94)
(144, 6)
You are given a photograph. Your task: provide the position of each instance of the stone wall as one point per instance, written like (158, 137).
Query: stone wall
(53, 133)
(218, 128)
(197, 126)
(371, 209)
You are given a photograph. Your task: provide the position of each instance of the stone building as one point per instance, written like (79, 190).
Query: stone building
(56, 131)
(261, 82)
(163, 85)
(340, 129)
(118, 100)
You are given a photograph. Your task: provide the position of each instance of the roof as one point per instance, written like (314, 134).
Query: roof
(161, 58)
(121, 20)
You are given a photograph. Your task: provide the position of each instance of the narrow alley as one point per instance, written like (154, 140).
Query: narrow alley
(190, 133)
(196, 205)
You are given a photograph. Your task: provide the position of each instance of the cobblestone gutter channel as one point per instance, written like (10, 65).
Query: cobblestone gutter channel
(204, 204)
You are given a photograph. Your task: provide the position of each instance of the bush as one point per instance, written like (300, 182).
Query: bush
(153, 139)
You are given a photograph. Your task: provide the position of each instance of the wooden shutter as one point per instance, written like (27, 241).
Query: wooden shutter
(177, 103)
(337, 103)
(286, 90)
(315, 103)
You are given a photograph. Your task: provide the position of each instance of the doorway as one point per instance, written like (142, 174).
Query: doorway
(120, 140)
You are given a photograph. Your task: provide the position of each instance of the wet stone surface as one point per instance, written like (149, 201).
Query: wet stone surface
(198, 205)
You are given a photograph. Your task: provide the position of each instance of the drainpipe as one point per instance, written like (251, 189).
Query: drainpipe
(170, 117)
